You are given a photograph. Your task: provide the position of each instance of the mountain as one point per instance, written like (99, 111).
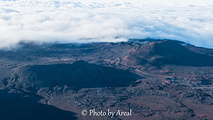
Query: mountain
(78, 75)
(172, 52)
(156, 79)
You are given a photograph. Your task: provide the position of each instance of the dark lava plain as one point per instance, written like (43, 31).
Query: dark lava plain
(157, 79)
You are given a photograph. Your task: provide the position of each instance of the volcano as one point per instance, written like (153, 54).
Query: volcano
(156, 79)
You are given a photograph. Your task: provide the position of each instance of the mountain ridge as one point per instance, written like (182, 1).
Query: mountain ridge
(157, 79)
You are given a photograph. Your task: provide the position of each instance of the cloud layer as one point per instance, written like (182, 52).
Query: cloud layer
(62, 21)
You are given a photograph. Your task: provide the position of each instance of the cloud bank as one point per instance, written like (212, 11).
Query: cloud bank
(81, 22)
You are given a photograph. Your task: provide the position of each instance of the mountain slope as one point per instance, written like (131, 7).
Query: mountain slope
(157, 79)
(78, 75)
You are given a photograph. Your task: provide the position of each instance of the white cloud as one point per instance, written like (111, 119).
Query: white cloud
(63, 21)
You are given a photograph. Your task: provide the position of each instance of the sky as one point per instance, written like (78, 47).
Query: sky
(83, 21)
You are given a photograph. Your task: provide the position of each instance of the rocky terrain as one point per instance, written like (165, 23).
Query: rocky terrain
(156, 79)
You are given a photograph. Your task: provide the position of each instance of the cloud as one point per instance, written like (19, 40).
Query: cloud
(67, 22)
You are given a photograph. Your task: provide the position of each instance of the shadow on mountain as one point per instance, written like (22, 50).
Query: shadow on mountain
(172, 52)
(17, 107)
(78, 75)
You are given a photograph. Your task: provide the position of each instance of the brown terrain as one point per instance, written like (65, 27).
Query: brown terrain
(156, 79)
